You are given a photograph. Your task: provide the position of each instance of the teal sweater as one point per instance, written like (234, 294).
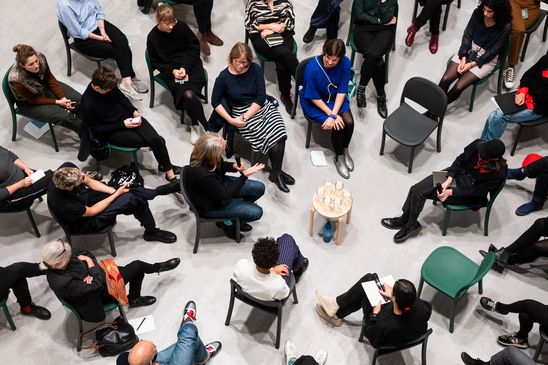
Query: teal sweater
(373, 11)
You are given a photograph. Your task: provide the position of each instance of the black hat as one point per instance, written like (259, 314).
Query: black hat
(123, 359)
(491, 149)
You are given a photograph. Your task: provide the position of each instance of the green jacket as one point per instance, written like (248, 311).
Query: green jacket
(374, 11)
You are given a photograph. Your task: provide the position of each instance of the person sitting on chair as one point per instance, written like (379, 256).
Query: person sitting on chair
(216, 195)
(267, 277)
(291, 356)
(530, 312)
(85, 205)
(324, 100)
(94, 36)
(479, 170)
(17, 190)
(75, 276)
(188, 350)
(14, 277)
(534, 166)
(484, 38)
(532, 93)
(175, 52)
(508, 356)
(431, 12)
(112, 117)
(326, 15)
(403, 319)
(37, 92)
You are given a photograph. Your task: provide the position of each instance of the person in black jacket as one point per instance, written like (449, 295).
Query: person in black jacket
(216, 195)
(534, 166)
(479, 170)
(75, 276)
(112, 117)
(404, 318)
(532, 93)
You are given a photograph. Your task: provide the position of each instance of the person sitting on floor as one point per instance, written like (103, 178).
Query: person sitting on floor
(14, 277)
(403, 319)
(291, 356)
(479, 170)
(85, 205)
(534, 166)
(508, 356)
(17, 190)
(530, 312)
(532, 93)
(75, 276)
(267, 277)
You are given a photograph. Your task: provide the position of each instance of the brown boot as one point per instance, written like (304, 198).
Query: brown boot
(213, 39)
(204, 46)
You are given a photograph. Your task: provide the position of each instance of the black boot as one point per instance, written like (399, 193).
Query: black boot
(309, 35)
(277, 179)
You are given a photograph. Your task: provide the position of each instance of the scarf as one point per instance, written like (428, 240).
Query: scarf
(485, 166)
(32, 83)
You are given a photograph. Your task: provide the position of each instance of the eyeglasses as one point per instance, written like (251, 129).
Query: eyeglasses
(64, 249)
(169, 24)
(241, 63)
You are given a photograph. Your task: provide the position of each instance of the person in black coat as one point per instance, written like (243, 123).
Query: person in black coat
(75, 276)
(479, 170)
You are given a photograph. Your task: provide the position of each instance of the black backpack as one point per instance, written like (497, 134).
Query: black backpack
(113, 338)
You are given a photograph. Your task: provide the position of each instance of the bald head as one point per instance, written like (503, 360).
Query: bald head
(142, 353)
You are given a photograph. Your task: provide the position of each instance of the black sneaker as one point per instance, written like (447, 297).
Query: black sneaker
(360, 97)
(299, 273)
(392, 223)
(406, 232)
(469, 361)
(142, 301)
(488, 304)
(160, 236)
(172, 187)
(287, 102)
(37, 311)
(381, 106)
(513, 340)
(309, 35)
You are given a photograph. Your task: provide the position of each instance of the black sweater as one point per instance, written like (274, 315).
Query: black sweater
(535, 80)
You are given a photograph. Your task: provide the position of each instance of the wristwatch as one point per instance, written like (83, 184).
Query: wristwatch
(333, 116)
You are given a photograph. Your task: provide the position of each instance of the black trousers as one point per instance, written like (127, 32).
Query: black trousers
(355, 299)
(341, 138)
(14, 278)
(530, 312)
(327, 16)
(202, 12)
(143, 136)
(373, 44)
(527, 248)
(431, 11)
(305, 360)
(539, 170)
(286, 61)
(134, 273)
(24, 197)
(118, 49)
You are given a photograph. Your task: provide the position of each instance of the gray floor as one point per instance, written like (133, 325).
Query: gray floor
(379, 186)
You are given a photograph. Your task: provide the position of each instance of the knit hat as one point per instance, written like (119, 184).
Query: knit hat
(489, 150)
(530, 158)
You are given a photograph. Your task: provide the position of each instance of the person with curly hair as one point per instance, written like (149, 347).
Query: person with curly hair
(267, 277)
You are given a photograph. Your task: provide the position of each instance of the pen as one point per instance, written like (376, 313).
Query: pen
(140, 324)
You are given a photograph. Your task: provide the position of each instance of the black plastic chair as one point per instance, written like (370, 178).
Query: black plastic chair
(71, 46)
(107, 230)
(199, 219)
(7, 312)
(29, 214)
(541, 342)
(385, 350)
(521, 126)
(299, 76)
(409, 127)
(271, 306)
(446, 15)
(541, 17)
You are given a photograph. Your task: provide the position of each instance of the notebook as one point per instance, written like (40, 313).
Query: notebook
(372, 290)
(506, 103)
(274, 39)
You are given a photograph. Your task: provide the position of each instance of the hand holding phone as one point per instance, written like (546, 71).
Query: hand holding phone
(380, 286)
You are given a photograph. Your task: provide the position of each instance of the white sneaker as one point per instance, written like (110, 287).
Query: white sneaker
(329, 304)
(129, 92)
(321, 357)
(195, 133)
(509, 77)
(290, 350)
(138, 85)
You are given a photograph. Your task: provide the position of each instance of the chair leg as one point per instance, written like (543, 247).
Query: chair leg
(135, 160)
(383, 140)
(69, 62)
(262, 65)
(8, 317)
(295, 101)
(480, 286)
(452, 319)
(545, 30)
(458, 4)
(352, 58)
(237, 230)
(386, 61)
(539, 349)
(230, 308)
(421, 285)
(472, 97)
(447, 7)
(423, 351)
(411, 157)
(375, 355)
(111, 242)
(53, 138)
(415, 11)
(279, 327)
(486, 223)
(445, 223)
(197, 239)
(33, 223)
(13, 126)
(152, 92)
(295, 299)
(80, 330)
(524, 49)
(516, 141)
(308, 134)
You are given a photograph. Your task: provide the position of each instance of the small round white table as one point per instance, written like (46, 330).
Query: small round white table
(331, 213)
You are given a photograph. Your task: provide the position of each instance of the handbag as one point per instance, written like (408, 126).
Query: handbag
(115, 282)
(126, 174)
(113, 338)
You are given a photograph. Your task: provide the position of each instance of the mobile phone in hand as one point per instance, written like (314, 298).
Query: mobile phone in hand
(439, 188)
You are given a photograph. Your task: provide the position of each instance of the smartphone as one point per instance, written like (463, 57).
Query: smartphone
(439, 188)
(136, 120)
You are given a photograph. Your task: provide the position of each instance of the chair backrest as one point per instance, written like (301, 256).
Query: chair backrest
(239, 293)
(7, 91)
(493, 194)
(63, 225)
(64, 34)
(483, 269)
(184, 191)
(413, 343)
(299, 74)
(427, 94)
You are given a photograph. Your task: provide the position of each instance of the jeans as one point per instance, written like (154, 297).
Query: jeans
(188, 349)
(242, 204)
(511, 356)
(497, 121)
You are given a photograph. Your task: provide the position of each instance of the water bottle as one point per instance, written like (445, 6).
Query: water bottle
(327, 232)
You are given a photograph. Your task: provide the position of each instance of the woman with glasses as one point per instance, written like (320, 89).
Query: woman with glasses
(174, 50)
(253, 113)
(324, 100)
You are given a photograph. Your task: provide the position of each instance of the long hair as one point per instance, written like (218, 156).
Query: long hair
(22, 53)
(501, 8)
(208, 150)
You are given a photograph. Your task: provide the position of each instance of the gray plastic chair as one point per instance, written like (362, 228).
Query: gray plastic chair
(411, 128)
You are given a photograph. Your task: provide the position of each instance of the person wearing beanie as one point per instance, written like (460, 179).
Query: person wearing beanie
(479, 170)
(534, 166)
(404, 318)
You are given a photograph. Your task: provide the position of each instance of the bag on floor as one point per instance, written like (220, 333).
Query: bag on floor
(126, 174)
(112, 338)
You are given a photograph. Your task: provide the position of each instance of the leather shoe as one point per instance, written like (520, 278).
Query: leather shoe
(245, 227)
(213, 39)
(411, 31)
(287, 102)
(141, 301)
(300, 272)
(168, 265)
(381, 106)
(279, 181)
(176, 169)
(288, 179)
(309, 35)
(160, 236)
(37, 311)
(392, 223)
(204, 46)
(406, 232)
(433, 45)
(172, 187)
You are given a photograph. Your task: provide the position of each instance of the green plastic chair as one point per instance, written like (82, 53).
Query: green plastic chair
(460, 207)
(14, 111)
(157, 78)
(109, 307)
(452, 273)
(7, 313)
(29, 215)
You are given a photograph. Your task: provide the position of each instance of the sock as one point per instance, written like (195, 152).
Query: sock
(26, 309)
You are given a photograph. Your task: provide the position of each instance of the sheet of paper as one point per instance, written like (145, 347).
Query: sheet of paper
(372, 292)
(318, 158)
(37, 175)
(143, 324)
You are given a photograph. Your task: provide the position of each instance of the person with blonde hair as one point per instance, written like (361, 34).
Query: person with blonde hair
(75, 276)
(175, 52)
(217, 195)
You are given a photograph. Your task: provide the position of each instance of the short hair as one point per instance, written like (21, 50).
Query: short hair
(56, 254)
(22, 53)
(208, 150)
(265, 252)
(104, 78)
(238, 50)
(334, 48)
(405, 294)
(66, 178)
(165, 14)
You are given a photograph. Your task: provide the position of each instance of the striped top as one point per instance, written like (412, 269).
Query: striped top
(258, 12)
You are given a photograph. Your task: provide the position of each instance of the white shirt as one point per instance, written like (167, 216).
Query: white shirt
(261, 286)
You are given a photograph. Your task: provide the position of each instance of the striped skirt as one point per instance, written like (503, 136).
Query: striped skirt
(265, 129)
